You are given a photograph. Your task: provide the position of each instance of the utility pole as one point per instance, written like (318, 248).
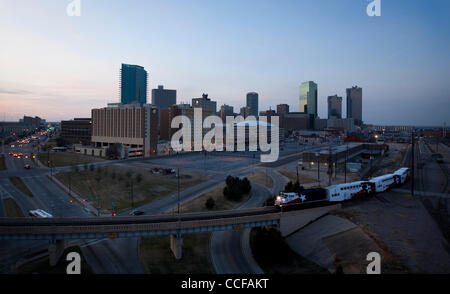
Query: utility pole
(178, 184)
(412, 163)
(330, 166)
(297, 173)
(318, 167)
(345, 166)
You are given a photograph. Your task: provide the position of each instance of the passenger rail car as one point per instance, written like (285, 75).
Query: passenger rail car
(347, 191)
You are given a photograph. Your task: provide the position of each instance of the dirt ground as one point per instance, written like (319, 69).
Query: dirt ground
(402, 227)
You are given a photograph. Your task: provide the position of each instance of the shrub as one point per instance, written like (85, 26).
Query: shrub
(210, 203)
(235, 188)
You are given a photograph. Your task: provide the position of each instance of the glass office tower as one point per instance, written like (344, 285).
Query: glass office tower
(133, 84)
(252, 102)
(308, 98)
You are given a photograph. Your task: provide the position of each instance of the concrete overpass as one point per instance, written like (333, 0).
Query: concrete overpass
(56, 230)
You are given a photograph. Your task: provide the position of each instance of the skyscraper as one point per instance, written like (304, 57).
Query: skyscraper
(354, 104)
(205, 103)
(334, 106)
(308, 98)
(133, 84)
(163, 98)
(226, 110)
(252, 102)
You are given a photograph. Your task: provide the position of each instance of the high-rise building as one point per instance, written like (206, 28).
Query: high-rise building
(308, 98)
(252, 102)
(282, 111)
(205, 103)
(334, 106)
(133, 84)
(245, 111)
(163, 98)
(354, 104)
(226, 110)
(186, 110)
(133, 126)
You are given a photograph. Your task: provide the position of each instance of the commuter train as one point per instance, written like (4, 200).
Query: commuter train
(347, 191)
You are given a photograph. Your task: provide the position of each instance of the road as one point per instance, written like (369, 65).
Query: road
(230, 250)
(117, 256)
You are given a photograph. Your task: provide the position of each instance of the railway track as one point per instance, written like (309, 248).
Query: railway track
(445, 171)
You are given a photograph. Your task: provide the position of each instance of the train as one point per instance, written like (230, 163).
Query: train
(346, 191)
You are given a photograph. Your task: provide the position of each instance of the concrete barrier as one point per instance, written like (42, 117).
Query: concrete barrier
(293, 221)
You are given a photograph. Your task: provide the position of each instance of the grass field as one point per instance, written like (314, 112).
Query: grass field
(59, 159)
(20, 185)
(11, 208)
(112, 184)
(2, 163)
(262, 178)
(157, 256)
(221, 203)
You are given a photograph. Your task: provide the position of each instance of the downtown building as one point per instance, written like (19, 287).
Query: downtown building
(167, 115)
(226, 110)
(252, 103)
(133, 126)
(354, 104)
(133, 84)
(76, 131)
(334, 106)
(308, 98)
(205, 103)
(163, 98)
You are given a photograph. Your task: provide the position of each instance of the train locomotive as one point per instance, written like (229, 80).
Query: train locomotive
(346, 191)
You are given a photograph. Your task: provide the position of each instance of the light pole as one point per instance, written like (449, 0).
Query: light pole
(345, 166)
(178, 186)
(318, 167)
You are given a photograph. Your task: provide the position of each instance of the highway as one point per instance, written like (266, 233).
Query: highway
(117, 255)
(230, 250)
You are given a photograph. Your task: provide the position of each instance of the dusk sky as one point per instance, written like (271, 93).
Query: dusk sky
(60, 67)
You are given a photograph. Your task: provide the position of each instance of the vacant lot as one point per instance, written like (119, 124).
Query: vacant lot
(292, 176)
(58, 159)
(156, 253)
(11, 208)
(119, 186)
(20, 185)
(220, 202)
(261, 178)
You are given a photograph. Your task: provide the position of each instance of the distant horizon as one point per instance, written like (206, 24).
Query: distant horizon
(59, 67)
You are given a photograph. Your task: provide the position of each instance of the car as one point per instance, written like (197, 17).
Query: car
(27, 166)
(136, 212)
(10, 153)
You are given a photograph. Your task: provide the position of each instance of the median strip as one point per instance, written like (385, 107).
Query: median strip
(20, 185)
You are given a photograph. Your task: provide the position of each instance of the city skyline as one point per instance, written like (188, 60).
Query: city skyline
(399, 59)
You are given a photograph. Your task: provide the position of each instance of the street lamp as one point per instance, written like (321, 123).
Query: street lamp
(318, 167)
